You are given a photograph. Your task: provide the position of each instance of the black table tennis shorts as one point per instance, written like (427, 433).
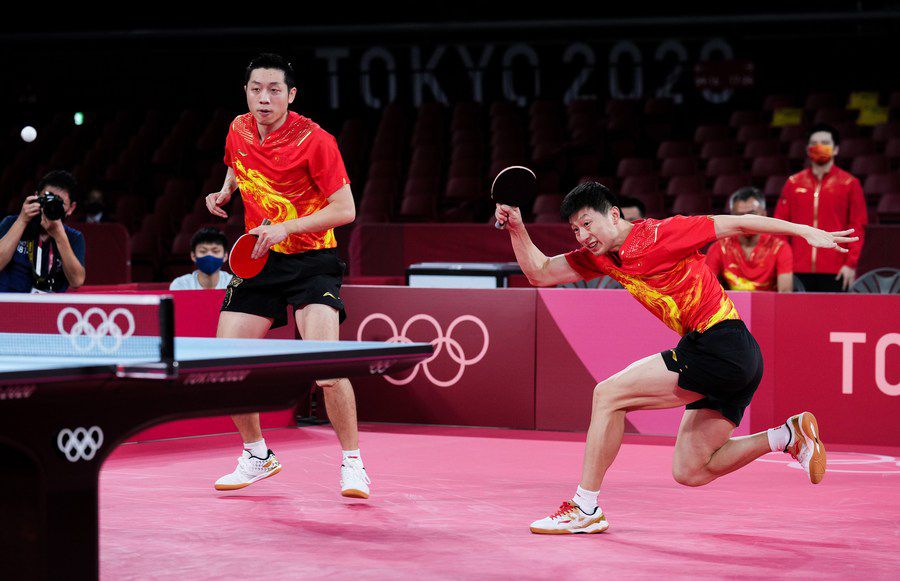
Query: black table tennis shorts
(311, 277)
(723, 363)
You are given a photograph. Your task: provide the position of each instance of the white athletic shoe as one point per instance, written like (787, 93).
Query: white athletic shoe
(249, 470)
(805, 446)
(354, 480)
(570, 519)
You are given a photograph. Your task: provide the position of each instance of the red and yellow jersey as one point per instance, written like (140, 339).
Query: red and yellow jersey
(758, 272)
(290, 175)
(660, 264)
(835, 203)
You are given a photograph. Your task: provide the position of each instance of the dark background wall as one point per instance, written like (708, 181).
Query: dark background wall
(167, 56)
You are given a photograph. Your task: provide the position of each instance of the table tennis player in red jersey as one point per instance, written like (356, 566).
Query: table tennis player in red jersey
(289, 171)
(713, 371)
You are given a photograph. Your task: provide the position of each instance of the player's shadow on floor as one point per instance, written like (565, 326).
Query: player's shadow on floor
(787, 546)
(365, 534)
(255, 497)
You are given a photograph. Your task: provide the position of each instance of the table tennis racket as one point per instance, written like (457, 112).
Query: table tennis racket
(240, 261)
(513, 186)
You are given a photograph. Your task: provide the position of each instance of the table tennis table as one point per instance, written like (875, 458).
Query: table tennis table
(60, 417)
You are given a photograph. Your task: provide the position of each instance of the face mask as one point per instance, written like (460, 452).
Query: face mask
(209, 264)
(92, 208)
(820, 154)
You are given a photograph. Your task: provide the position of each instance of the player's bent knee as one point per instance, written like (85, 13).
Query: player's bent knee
(687, 476)
(607, 395)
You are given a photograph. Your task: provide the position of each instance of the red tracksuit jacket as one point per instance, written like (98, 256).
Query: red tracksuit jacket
(835, 203)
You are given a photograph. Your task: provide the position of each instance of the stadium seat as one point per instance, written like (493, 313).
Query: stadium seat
(642, 184)
(748, 133)
(766, 166)
(816, 101)
(547, 204)
(713, 149)
(886, 131)
(889, 208)
(865, 165)
(761, 147)
(772, 102)
(856, 146)
(726, 185)
(706, 133)
(678, 166)
(633, 166)
(418, 207)
(747, 117)
(685, 185)
(719, 166)
(688, 205)
(793, 132)
(881, 183)
(418, 187)
(834, 115)
(669, 149)
(774, 185)
(464, 188)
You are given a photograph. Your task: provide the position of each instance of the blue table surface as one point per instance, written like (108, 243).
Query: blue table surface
(196, 349)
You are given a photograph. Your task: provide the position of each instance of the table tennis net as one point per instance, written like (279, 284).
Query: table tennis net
(86, 326)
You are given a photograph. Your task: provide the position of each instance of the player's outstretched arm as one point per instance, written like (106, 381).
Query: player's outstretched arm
(750, 224)
(537, 267)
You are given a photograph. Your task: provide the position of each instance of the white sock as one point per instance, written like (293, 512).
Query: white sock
(351, 456)
(258, 449)
(586, 500)
(779, 438)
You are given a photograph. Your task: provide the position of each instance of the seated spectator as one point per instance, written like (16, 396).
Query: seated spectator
(95, 211)
(632, 208)
(208, 253)
(756, 263)
(38, 253)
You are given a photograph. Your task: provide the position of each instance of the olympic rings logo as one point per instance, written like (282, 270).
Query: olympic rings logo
(441, 343)
(80, 443)
(106, 335)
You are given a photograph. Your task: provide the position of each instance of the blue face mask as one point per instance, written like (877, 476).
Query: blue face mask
(209, 264)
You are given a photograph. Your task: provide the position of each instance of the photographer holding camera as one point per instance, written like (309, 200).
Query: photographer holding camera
(38, 253)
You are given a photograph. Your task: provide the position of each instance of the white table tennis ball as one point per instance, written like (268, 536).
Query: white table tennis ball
(29, 133)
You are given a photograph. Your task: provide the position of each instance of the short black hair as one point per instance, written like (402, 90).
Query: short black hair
(744, 194)
(587, 195)
(208, 235)
(269, 60)
(61, 179)
(629, 202)
(835, 135)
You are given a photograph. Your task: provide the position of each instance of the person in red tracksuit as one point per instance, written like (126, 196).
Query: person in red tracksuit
(827, 197)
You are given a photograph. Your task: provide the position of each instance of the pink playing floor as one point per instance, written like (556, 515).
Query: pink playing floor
(455, 503)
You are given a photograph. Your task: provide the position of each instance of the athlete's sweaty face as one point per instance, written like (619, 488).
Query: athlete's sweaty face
(268, 96)
(595, 231)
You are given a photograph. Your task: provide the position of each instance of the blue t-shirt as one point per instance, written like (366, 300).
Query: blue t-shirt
(19, 275)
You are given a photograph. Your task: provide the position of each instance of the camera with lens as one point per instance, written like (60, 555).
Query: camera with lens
(52, 206)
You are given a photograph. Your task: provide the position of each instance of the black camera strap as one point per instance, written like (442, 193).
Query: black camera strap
(42, 277)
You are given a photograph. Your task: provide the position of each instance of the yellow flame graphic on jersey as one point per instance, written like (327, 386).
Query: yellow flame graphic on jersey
(658, 298)
(278, 202)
